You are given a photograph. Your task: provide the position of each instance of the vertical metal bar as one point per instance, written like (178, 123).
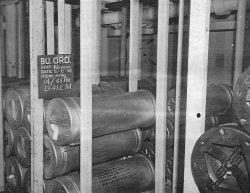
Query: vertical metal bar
(239, 42)
(161, 94)
(20, 41)
(87, 22)
(196, 83)
(1, 109)
(50, 27)
(13, 39)
(36, 26)
(61, 25)
(123, 58)
(8, 40)
(68, 29)
(178, 96)
(134, 45)
(97, 41)
(2, 51)
(140, 41)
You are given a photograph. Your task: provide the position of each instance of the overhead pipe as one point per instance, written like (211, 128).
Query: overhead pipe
(219, 7)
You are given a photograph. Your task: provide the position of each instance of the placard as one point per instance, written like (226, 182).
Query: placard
(55, 76)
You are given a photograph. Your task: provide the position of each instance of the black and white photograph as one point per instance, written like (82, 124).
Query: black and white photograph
(125, 96)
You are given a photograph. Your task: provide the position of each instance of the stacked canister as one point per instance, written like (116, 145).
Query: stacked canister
(117, 117)
(123, 138)
(16, 137)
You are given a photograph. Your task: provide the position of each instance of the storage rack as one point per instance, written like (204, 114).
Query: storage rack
(90, 71)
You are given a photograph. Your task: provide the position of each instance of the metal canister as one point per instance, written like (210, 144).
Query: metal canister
(15, 105)
(27, 113)
(9, 134)
(14, 174)
(122, 83)
(111, 114)
(219, 99)
(22, 146)
(148, 149)
(169, 133)
(60, 160)
(145, 133)
(27, 183)
(135, 174)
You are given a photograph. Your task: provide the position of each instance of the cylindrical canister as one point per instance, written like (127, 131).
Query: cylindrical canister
(135, 174)
(27, 112)
(27, 183)
(9, 134)
(219, 99)
(111, 113)
(148, 149)
(145, 133)
(14, 174)
(169, 133)
(60, 160)
(22, 146)
(15, 105)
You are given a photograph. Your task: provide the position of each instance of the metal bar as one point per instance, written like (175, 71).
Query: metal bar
(68, 29)
(50, 27)
(196, 83)
(178, 97)
(13, 40)
(36, 26)
(97, 42)
(239, 42)
(2, 50)
(61, 25)
(20, 41)
(87, 22)
(134, 45)
(8, 40)
(161, 94)
(1, 110)
(123, 58)
(140, 41)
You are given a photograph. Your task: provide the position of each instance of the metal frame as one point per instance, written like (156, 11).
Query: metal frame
(196, 83)
(36, 48)
(161, 95)
(2, 180)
